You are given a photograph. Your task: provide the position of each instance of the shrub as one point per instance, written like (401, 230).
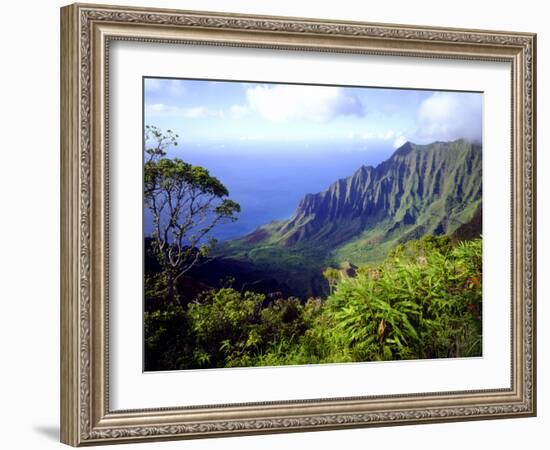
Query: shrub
(423, 301)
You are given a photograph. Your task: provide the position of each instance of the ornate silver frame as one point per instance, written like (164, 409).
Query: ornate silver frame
(86, 31)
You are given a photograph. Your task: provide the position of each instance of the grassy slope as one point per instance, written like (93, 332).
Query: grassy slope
(373, 245)
(412, 186)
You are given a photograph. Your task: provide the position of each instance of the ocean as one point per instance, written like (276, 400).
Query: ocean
(268, 180)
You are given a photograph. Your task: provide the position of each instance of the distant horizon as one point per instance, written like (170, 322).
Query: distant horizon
(212, 111)
(256, 179)
(289, 201)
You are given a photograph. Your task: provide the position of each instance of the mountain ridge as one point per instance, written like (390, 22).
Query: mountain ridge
(419, 190)
(399, 188)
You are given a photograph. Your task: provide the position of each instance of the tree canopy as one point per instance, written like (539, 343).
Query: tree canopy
(186, 203)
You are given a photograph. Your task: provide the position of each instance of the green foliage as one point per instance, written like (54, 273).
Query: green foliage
(224, 324)
(167, 343)
(171, 175)
(231, 329)
(423, 301)
(332, 276)
(186, 202)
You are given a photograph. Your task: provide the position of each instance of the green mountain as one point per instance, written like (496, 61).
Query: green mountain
(420, 190)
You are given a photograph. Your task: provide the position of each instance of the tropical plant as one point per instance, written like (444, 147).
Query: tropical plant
(424, 301)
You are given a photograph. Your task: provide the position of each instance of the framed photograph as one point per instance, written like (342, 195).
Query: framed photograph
(276, 224)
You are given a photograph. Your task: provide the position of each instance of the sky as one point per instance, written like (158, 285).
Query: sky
(270, 144)
(204, 111)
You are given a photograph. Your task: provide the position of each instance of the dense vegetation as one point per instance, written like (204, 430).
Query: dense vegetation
(420, 190)
(288, 293)
(422, 301)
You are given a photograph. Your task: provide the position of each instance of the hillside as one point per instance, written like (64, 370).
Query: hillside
(433, 189)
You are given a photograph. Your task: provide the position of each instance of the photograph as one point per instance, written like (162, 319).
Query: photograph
(296, 224)
(286, 221)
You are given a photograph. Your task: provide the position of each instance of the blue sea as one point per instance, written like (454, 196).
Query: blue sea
(268, 180)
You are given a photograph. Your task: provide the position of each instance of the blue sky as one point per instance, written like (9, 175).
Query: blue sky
(203, 111)
(270, 144)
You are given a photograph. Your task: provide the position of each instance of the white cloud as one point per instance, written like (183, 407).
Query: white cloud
(399, 141)
(282, 103)
(389, 134)
(443, 116)
(161, 109)
(447, 116)
(238, 111)
(368, 135)
(397, 137)
(156, 107)
(197, 112)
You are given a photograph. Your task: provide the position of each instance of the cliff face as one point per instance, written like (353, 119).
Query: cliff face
(428, 186)
(420, 190)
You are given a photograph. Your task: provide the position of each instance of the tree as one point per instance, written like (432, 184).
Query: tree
(186, 203)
